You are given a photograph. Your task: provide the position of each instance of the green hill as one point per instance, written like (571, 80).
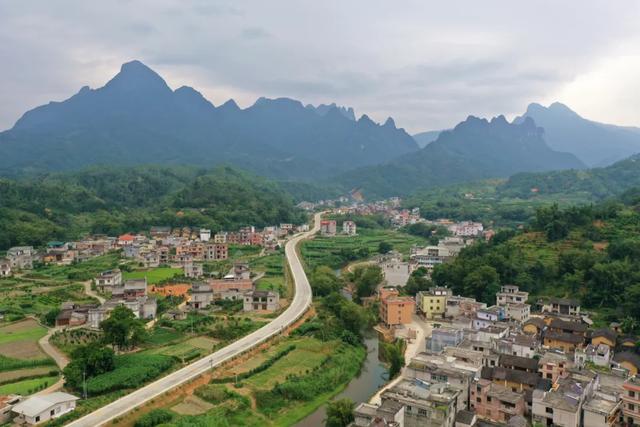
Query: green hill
(63, 206)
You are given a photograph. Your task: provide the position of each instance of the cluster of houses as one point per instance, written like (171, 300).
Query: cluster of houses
(397, 270)
(139, 297)
(328, 227)
(184, 246)
(237, 285)
(131, 293)
(502, 365)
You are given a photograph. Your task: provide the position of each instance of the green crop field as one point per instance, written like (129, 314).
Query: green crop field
(154, 275)
(337, 251)
(27, 387)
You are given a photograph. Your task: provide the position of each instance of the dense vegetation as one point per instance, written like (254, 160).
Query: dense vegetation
(597, 183)
(586, 252)
(34, 210)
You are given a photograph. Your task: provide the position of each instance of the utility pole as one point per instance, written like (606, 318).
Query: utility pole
(84, 383)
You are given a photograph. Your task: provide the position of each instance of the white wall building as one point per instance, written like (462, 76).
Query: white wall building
(38, 409)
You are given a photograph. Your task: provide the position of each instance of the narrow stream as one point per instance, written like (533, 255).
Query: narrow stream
(360, 389)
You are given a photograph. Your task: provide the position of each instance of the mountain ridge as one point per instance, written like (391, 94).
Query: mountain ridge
(474, 149)
(136, 118)
(595, 143)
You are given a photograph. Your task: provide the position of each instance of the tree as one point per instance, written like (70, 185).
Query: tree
(86, 362)
(324, 281)
(366, 280)
(51, 316)
(394, 354)
(482, 283)
(339, 413)
(385, 247)
(122, 329)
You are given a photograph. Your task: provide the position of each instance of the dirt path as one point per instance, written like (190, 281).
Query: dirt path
(59, 357)
(91, 293)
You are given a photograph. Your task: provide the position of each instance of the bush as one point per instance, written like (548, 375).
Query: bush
(154, 418)
(131, 371)
(213, 393)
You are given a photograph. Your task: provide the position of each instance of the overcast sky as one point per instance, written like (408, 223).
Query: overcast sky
(428, 64)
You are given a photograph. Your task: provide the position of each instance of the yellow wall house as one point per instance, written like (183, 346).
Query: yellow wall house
(604, 336)
(434, 302)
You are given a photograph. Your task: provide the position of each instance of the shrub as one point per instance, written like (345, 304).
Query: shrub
(154, 418)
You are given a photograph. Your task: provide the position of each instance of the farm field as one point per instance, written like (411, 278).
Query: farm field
(247, 403)
(27, 387)
(19, 340)
(154, 275)
(339, 250)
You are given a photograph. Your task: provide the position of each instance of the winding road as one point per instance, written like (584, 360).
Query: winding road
(299, 305)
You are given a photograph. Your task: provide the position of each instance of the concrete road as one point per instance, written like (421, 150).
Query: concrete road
(299, 305)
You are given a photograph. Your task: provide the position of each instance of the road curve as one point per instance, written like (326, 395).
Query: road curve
(299, 305)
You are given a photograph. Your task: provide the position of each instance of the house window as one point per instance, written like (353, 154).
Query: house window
(422, 412)
(38, 418)
(632, 407)
(549, 410)
(478, 400)
(632, 393)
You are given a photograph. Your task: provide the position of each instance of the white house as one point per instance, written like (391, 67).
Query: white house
(205, 234)
(349, 228)
(5, 267)
(38, 409)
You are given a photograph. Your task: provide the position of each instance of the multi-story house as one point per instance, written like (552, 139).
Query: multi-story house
(328, 227)
(444, 337)
(433, 303)
(107, 280)
(261, 300)
(396, 310)
(462, 306)
(553, 366)
(495, 402)
(424, 404)
(201, 296)
(511, 294)
(442, 369)
(216, 252)
(562, 405)
(562, 306)
(631, 401)
(21, 257)
(349, 228)
(205, 235)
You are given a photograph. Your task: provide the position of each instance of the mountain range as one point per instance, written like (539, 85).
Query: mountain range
(596, 144)
(474, 149)
(136, 118)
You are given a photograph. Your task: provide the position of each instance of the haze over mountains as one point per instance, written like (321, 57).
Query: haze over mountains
(136, 118)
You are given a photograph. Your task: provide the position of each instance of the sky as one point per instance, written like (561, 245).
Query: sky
(428, 64)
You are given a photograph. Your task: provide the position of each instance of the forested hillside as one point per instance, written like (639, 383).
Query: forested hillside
(595, 183)
(591, 253)
(117, 200)
(475, 149)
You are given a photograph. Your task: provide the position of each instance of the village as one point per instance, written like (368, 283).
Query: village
(467, 363)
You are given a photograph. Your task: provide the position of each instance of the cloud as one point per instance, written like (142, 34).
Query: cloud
(427, 64)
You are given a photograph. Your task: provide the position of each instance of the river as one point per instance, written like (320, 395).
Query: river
(372, 376)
